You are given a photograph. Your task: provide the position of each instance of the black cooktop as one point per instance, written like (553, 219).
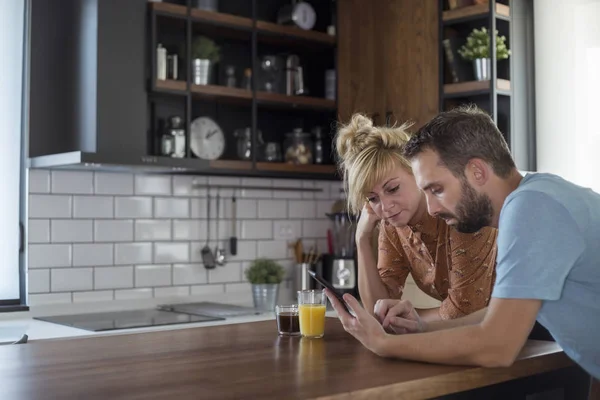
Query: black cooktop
(108, 321)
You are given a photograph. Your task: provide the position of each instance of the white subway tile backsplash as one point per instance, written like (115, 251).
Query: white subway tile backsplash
(174, 291)
(113, 183)
(246, 250)
(50, 298)
(152, 275)
(113, 230)
(151, 229)
(308, 185)
(170, 207)
(96, 254)
(182, 185)
(301, 209)
(243, 287)
(246, 209)
(71, 279)
(257, 229)
(71, 231)
(190, 229)
(286, 194)
(89, 297)
(272, 209)
(198, 208)
(171, 252)
(133, 253)
(133, 207)
(38, 231)
(324, 194)
(273, 249)
(134, 294)
(49, 255)
(254, 193)
(231, 272)
(189, 274)
(38, 281)
(206, 290)
(39, 181)
(80, 182)
(49, 206)
(93, 207)
(153, 185)
(335, 190)
(124, 236)
(324, 207)
(113, 277)
(225, 181)
(315, 228)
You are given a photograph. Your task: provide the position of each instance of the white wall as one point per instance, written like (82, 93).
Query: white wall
(12, 19)
(567, 68)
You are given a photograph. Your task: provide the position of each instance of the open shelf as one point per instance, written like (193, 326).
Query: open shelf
(231, 164)
(217, 18)
(222, 92)
(287, 167)
(279, 99)
(170, 86)
(168, 9)
(268, 31)
(475, 87)
(474, 12)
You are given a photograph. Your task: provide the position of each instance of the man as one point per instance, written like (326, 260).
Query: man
(548, 263)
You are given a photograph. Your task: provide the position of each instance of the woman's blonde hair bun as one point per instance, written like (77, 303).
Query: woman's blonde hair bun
(366, 154)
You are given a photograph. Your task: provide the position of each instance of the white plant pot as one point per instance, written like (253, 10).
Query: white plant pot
(481, 67)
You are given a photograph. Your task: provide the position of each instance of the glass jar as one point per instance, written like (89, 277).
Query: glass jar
(298, 147)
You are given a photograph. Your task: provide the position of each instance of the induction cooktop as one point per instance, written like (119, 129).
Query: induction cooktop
(108, 321)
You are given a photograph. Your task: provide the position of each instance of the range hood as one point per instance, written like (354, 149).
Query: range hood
(88, 105)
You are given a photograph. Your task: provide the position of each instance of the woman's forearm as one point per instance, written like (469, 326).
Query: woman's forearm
(370, 286)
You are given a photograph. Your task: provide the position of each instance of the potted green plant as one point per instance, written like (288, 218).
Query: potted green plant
(265, 275)
(205, 53)
(477, 50)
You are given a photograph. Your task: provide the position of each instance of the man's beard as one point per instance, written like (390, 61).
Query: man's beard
(473, 212)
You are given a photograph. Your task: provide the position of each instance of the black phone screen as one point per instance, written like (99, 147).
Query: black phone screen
(328, 285)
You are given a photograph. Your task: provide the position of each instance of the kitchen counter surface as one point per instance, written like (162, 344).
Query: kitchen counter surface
(240, 361)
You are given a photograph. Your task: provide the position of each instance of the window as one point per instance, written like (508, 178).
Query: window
(567, 61)
(12, 178)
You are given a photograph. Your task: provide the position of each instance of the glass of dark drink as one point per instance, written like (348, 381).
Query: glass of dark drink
(288, 320)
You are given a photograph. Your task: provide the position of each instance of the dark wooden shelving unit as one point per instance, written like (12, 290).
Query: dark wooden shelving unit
(464, 89)
(474, 12)
(493, 95)
(233, 106)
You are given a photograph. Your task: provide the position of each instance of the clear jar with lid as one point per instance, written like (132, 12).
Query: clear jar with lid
(298, 147)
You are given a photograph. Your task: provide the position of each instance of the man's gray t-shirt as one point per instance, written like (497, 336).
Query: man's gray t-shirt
(549, 249)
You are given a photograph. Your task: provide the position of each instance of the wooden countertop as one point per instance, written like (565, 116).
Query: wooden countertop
(239, 361)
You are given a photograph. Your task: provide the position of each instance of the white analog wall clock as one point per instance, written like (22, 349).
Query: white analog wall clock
(206, 139)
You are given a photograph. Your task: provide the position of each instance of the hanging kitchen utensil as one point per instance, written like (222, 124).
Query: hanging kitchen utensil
(208, 258)
(233, 238)
(219, 252)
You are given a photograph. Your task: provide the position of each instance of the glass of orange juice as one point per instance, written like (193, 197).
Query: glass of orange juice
(311, 307)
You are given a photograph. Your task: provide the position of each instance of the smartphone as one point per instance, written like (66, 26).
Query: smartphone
(331, 289)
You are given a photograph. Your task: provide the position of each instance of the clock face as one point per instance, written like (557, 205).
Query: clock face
(207, 139)
(304, 15)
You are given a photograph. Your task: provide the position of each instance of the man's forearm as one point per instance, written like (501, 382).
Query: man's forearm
(438, 325)
(370, 286)
(467, 345)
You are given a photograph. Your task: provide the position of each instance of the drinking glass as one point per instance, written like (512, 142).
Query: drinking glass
(311, 307)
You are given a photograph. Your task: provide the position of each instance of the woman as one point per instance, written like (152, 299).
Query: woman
(455, 268)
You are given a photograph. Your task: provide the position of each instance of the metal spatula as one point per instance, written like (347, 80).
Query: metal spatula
(208, 258)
